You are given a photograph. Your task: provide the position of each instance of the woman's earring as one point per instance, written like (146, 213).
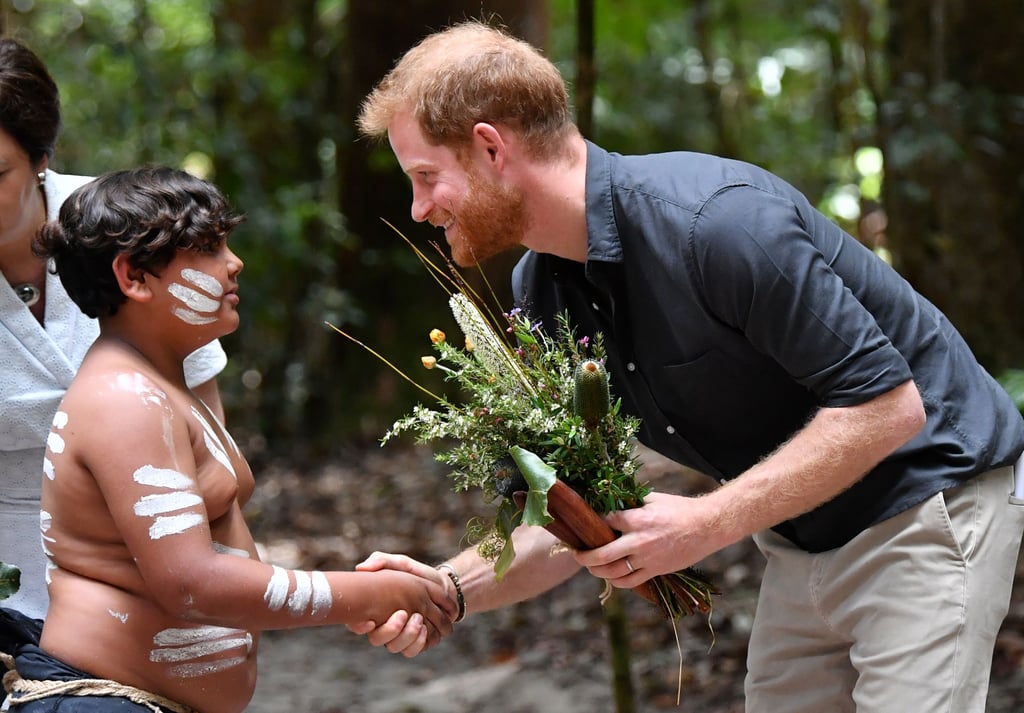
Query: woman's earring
(42, 178)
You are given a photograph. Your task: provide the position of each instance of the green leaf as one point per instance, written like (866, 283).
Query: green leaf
(504, 560)
(508, 518)
(541, 477)
(10, 580)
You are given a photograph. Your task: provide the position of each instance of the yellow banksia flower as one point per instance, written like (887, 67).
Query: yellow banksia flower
(436, 337)
(428, 362)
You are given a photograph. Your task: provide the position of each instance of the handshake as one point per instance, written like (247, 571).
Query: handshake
(430, 595)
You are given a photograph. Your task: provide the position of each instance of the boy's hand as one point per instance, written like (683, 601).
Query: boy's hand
(402, 633)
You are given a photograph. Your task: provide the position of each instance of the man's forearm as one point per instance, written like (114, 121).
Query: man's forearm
(535, 569)
(831, 453)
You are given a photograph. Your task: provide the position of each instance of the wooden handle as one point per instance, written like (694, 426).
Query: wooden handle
(579, 526)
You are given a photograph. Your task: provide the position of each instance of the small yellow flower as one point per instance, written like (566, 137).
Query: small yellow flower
(428, 362)
(436, 337)
(469, 344)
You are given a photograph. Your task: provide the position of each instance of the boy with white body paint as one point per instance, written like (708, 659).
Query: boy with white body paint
(156, 588)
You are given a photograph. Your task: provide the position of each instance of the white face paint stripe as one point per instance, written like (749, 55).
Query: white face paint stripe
(189, 317)
(162, 478)
(323, 597)
(299, 599)
(277, 589)
(175, 524)
(195, 670)
(193, 300)
(207, 283)
(225, 550)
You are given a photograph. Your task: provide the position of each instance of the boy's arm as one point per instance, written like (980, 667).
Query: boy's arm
(161, 483)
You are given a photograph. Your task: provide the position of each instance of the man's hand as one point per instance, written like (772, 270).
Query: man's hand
(401, 633)
(669, 533)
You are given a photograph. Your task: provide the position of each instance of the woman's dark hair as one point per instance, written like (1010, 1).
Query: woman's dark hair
(147, 213)
(29, 100)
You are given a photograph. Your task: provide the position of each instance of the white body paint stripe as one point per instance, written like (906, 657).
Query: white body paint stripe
(299, 599)
(139, 384)
(195, 651)
(175, 524)
(150, 505)
(213, 442)
(178, 637)
(277, 589)
(45, 523)
(217, 451)
(195, 670)
(55, 443)
(309, 587)
(323, 597)
(60, 419)
(225, 550)
(162, 478)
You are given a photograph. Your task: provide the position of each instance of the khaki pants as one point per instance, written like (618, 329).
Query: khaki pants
(902, 618)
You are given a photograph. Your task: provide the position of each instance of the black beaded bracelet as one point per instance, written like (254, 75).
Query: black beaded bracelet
(453, 575)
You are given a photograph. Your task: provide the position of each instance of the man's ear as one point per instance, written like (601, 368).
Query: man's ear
(489, 145)
(131, 280)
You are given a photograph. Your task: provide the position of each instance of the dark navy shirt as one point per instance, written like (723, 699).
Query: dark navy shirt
(732, 310)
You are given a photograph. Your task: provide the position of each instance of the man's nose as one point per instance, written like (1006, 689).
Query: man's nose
(421, 208)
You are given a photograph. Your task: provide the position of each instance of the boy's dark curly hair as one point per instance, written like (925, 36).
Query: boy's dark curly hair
(149, 213)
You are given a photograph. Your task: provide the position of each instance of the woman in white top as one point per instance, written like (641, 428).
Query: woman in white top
(43, 335)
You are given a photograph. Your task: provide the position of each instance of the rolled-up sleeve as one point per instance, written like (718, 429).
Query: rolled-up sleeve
(762, 273)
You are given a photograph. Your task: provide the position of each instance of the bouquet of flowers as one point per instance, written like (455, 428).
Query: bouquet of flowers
(537, 431)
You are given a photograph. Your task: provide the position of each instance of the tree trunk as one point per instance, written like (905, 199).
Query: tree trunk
(953, 138)
(396, 303)
(260, 121)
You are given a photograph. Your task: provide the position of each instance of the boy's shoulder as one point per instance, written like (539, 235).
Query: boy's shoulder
(116, 392)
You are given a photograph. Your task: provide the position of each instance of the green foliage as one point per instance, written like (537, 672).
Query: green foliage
(711, 77)
(521, 396)
(258, 97)
(1013, 381)
(10, 580)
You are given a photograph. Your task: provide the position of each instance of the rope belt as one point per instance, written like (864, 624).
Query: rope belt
(29, 690)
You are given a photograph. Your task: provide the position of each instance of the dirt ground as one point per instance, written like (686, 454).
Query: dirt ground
(544, 656)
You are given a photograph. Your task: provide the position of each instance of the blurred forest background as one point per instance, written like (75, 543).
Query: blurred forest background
(903, 121)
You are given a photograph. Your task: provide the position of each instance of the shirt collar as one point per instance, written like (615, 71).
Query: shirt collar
(603, 243)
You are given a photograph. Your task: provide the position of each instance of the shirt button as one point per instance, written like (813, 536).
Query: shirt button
(723, 481)
(670, 430)
(630, 366)
(596, 307)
